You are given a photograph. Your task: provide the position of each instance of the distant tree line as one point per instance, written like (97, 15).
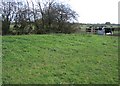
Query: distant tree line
(36, 18)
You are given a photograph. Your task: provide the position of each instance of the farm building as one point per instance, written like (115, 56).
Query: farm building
(101, 30)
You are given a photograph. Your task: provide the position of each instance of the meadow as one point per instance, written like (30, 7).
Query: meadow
(60, 59)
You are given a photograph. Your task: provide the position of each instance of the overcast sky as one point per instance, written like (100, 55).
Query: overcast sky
(94, 11)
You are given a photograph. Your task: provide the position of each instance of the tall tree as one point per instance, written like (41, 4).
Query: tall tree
(7, 16)
(42, 17)
(58, 14)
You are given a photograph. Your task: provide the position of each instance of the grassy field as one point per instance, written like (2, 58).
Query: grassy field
(60, 59)
(0, 60)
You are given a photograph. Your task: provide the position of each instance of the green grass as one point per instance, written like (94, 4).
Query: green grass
(0, 60)
(60, 59)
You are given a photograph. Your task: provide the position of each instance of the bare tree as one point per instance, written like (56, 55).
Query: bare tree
(7, 16)
(23, 18)
(42, 17)
(58, 15)
(42, 13)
